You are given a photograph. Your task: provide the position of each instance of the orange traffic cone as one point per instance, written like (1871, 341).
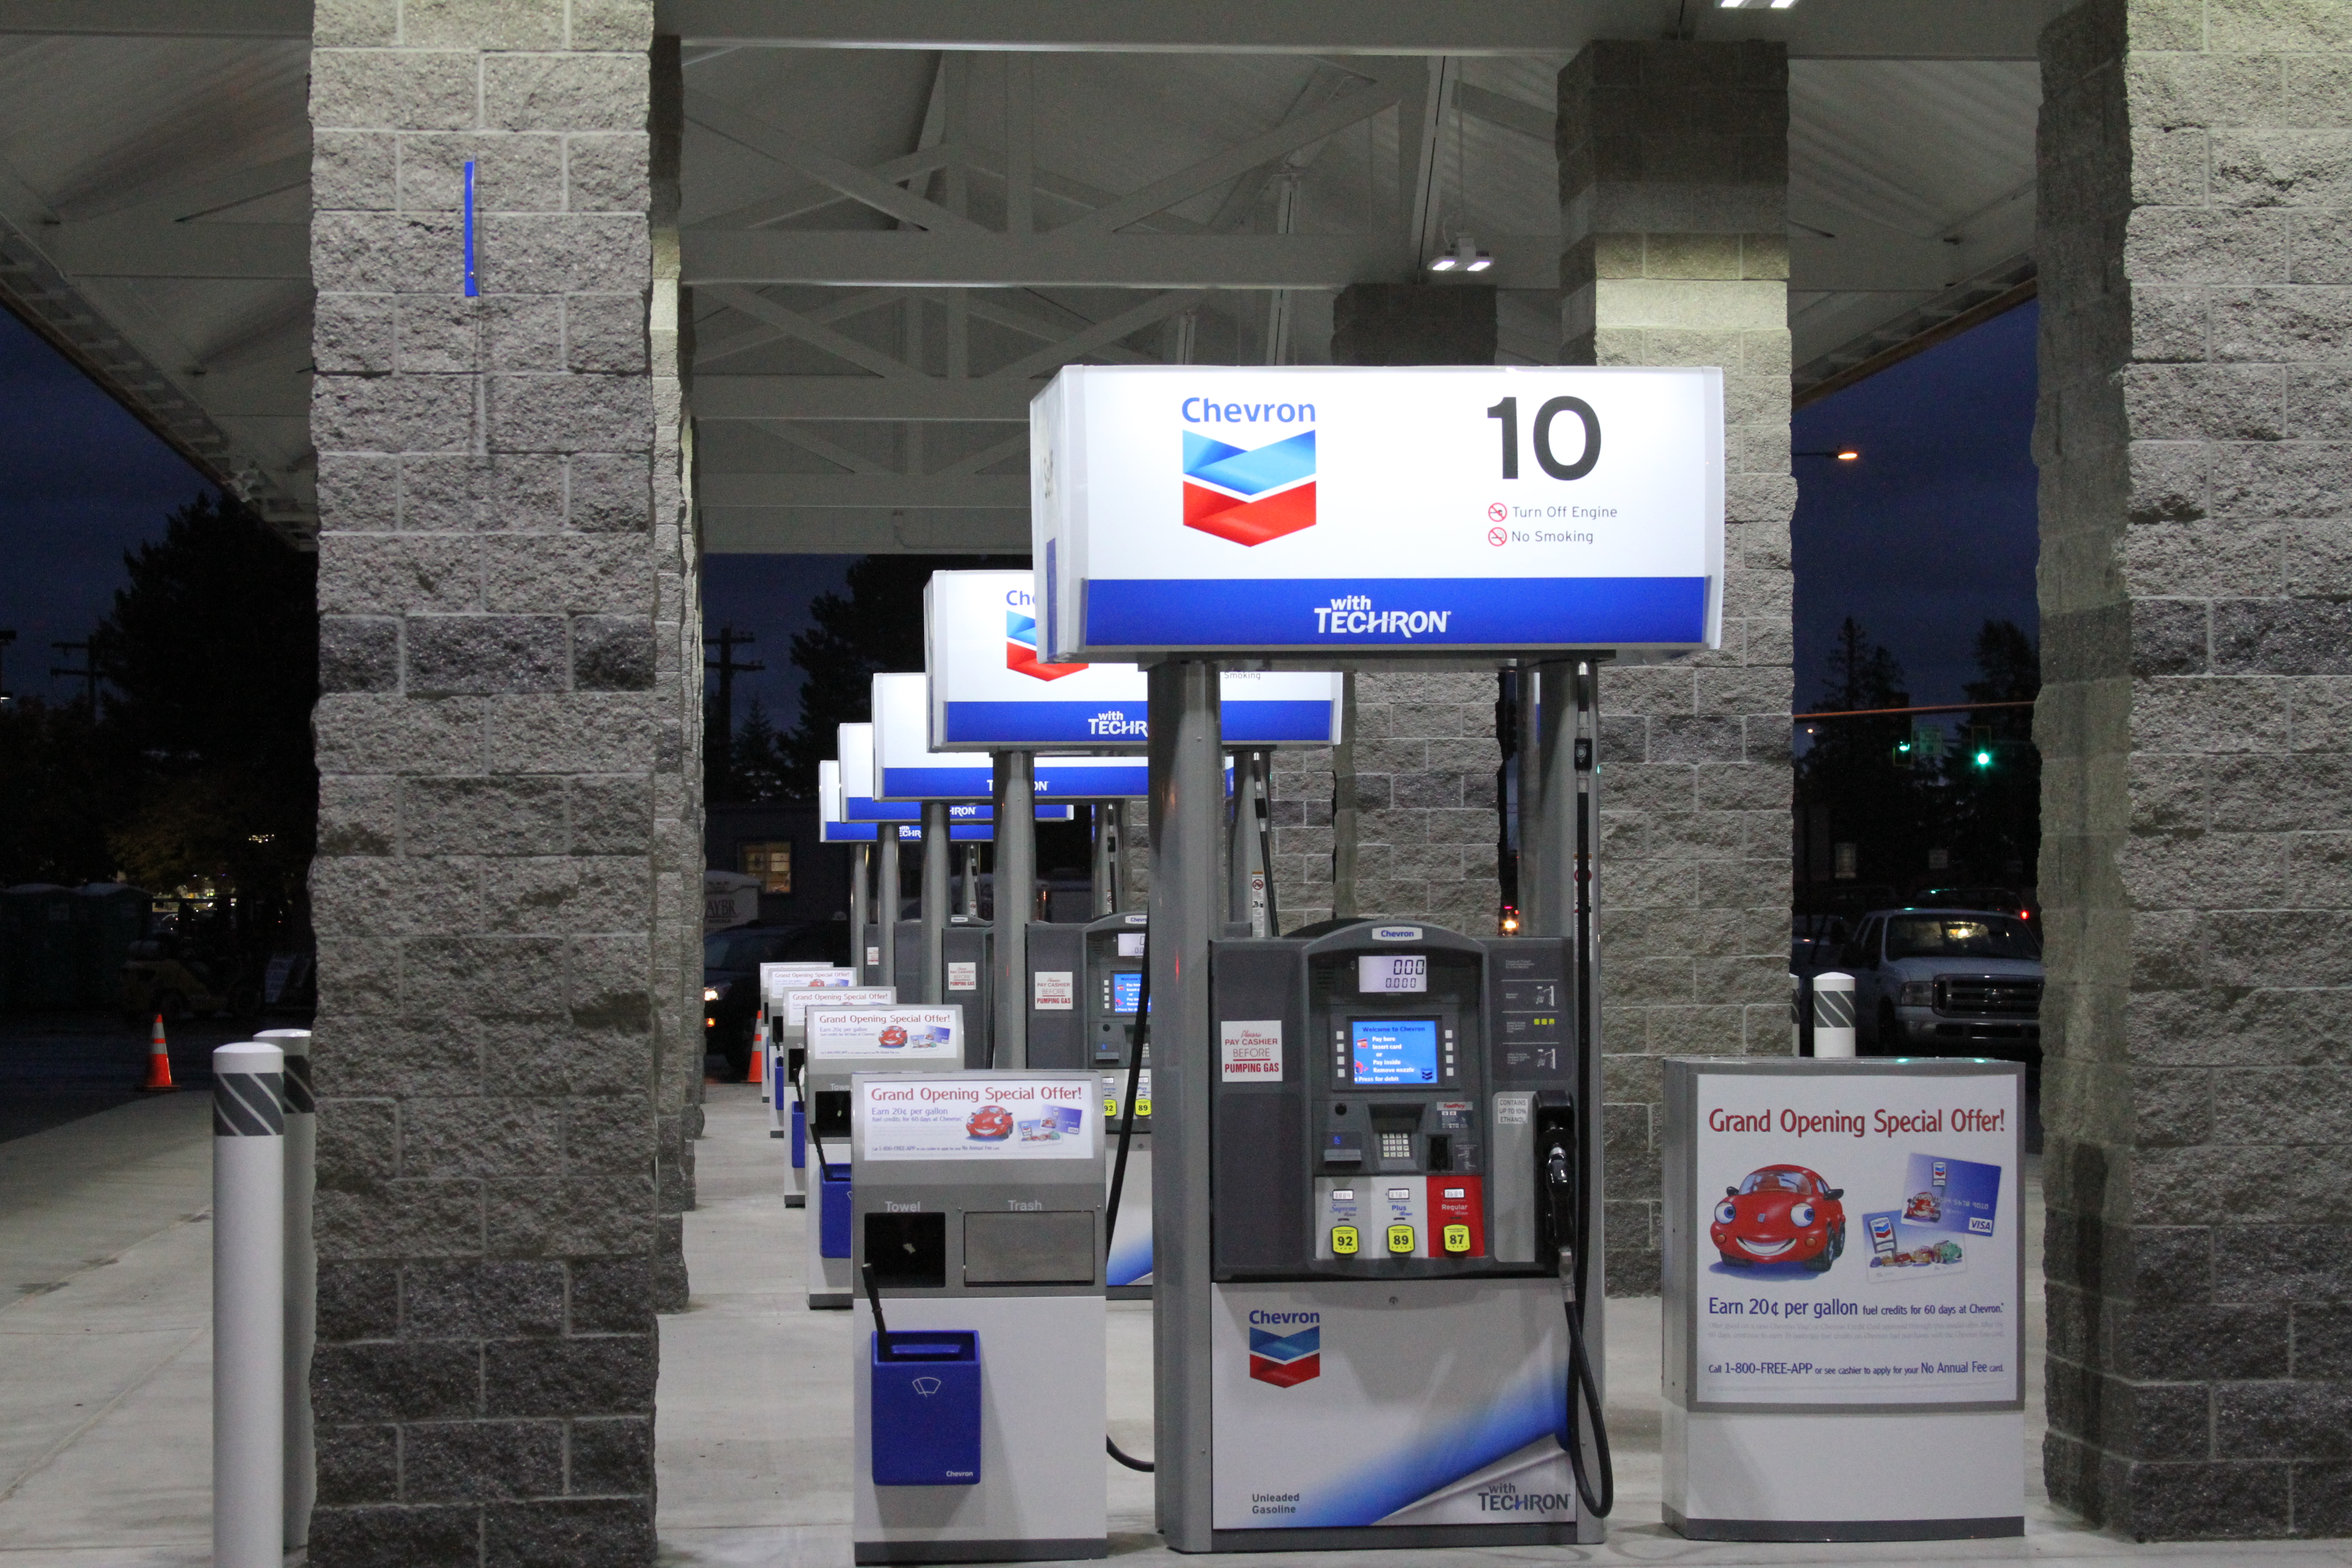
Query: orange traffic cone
(159, 1061)
(758, 1068)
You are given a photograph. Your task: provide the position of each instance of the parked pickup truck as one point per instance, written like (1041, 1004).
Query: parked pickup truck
(1954, 982)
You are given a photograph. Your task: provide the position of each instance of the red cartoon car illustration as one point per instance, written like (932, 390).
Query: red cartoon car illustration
(990, 1123)
(1922, 1209)
(891, 1037)
(1781, 1213)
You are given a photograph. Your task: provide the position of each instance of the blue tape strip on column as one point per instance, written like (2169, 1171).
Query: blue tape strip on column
(473, 284)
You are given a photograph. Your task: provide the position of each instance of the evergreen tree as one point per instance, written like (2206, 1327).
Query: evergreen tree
(877, 627)
(1853, 768)
(758, 767)
(1995, 777)
(212, 651)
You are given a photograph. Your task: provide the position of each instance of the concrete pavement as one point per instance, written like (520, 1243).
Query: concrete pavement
(754, 1422)
(105, 1373)
(106, 1339)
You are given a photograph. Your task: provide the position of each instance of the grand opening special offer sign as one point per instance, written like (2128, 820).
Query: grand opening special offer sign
(1849, 1235)
(1288, 512)
(986, 1118)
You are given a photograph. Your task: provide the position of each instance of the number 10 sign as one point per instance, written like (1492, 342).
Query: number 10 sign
(1290, 510)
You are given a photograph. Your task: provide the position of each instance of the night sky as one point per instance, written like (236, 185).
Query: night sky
(80, 482)
(1934, 532)
(1922, 540)
(770, 595)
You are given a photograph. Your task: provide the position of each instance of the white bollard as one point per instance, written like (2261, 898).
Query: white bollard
(1833, 1013)
(248, 1306)
(301, 1280)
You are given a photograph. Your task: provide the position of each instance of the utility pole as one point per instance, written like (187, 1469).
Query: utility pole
(88, 673)
(728, 640)
(6, 639)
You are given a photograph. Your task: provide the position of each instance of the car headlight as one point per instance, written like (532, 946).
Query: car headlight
(1801, 1215)
(710, 994)
(1725, 1212)
(1917, 993)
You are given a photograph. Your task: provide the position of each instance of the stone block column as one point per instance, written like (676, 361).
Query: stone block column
(501, 753)
(2195, 439)
(1674, 185)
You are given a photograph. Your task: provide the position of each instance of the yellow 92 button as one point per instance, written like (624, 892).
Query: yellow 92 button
(1343, 1240)
(1457, 1239)
(1110, 1106)
(1399, 1239)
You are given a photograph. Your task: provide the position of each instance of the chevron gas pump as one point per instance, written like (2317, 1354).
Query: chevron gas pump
(1085, 993)
(842, 1042)
(967, 949)
(978, 1359)
(1396, 1121)
(1377, 1243)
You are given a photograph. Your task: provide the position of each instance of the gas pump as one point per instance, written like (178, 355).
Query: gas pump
(1086, 991)
(969, 948)
(840, 1042)
(1395, 1123)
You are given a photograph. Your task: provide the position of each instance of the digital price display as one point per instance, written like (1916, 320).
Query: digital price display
(1125, 992)
(1393, 973)
(1390, 1051)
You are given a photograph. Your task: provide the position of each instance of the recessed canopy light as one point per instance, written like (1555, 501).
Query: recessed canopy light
(1464, 257)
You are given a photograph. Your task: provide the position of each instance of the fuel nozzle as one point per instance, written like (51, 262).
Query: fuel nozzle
(1563, 1206)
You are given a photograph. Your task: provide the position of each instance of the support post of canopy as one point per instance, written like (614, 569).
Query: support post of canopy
(1187, 902)
(1016, 883)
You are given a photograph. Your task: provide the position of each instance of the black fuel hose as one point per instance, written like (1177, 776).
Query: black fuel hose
(1125, 1138)
(1582, 1385)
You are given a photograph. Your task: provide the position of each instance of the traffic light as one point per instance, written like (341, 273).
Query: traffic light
(1984, 756)
(1901, 755)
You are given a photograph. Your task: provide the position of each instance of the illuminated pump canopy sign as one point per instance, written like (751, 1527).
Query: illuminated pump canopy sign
(1182, 509)
(991, 691)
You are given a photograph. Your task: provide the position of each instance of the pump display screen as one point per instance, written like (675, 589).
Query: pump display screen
(1387, 973)
(1394, 1050)
(1125, 992)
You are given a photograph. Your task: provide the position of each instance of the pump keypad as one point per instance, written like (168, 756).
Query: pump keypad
(1396, 1145)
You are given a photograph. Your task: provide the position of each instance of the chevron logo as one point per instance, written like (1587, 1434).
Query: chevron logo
(1249, 497)
(1021, 649)
(1285, 1360)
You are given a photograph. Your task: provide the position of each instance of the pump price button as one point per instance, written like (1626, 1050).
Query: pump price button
(1343, 1240)
(1401, 1238)
(1457, 1239)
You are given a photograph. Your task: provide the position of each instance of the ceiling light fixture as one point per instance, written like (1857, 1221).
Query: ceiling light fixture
(1743, 5)
(1465, 257)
